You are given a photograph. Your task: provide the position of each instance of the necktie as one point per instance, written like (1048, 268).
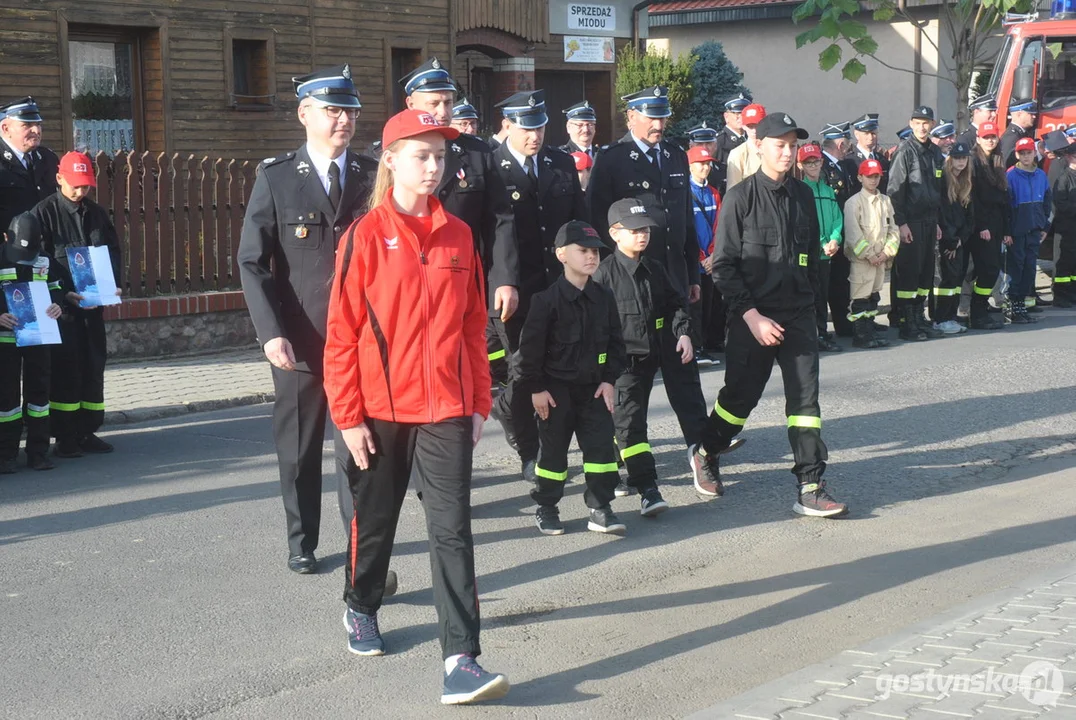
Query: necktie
(528, 167)
(335, 191)
(29, 158)
(653, 153)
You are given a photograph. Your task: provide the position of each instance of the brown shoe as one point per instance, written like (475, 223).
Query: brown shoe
(707, 474)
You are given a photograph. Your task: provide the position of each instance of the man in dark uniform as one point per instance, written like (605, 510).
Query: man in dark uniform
(836, 139)
(302, 202)
(865, 134)
(643, 165)
(582, 124)
(730, 137)
(944, 136)
(983, 109)
(765, 264)
(545, 192)
(706, 137)
(915, 189)
(1022, 124)
(465, 117)
(27, 168)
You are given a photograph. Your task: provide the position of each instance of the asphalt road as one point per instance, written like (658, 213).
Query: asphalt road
(152, 583)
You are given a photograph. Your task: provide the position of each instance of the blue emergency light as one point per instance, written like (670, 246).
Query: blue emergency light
(1062, 9)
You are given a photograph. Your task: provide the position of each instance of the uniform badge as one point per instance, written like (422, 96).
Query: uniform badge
(355, 165)
(456, 148)
(646, 185)
(547, 160)
(506, 164)
(301, 232)
(435, 64)
(347, 72)
(666, 153)
(303, 168)
(310, 215)
(633, 155)
(7, 155)
(463, 184)
(516, 195)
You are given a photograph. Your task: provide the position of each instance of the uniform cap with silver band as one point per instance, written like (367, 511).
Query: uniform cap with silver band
(525, 109)
(328, 87)
(24, 110)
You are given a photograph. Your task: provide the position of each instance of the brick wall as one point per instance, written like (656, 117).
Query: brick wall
(512, 75)
(169, 326)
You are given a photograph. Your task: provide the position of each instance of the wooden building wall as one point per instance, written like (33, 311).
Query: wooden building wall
(184, 64)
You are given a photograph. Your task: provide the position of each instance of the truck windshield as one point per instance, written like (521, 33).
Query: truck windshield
(1057, 84)
(999, 67)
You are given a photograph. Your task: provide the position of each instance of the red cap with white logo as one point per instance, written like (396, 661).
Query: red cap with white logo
(987, 129)
(870, 167)
(410, 123)
(753, 114)
(77, 170)
(1025, 144)
(699, 154)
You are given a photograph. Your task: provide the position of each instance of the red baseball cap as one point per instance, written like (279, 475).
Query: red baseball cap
(77, 170)
(870, 167)
(987, 129)
(410, 123)
(753, 114)
(810, 151)
(699, 154)
(1025, 144)
(582, 160)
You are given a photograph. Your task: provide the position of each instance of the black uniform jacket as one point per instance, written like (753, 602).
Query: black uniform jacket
(851, 170)
(993, 209)
(19, 190)
(1063, 192)
(570, 336)
(915, 181)
(651, 310)
(621, 170)
(570, 147)
(539, 209)
(472, 190)
(766, 251)
(836, 176)
(67, 224)
(1007, 143)
(288, 247)
(957, 221)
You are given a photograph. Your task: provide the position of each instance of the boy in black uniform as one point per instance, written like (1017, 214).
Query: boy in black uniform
(654, 322)
(765, 264)
(69, 218)
(21, 261)
(570, 354)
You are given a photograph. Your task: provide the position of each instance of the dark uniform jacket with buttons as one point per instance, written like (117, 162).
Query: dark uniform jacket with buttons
(20, 189)
(67, 224)
(727, 141)
(570, 336)
(539, 209)
(915, 181)
(851, 170)
(1007, 143)
(766, 250)
(472, 190)
(570, 147)
(622, 170)
(648, 305)
(288, 246)
(835, 174)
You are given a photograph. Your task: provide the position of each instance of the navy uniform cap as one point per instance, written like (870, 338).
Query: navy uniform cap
(738, 103)
(983, 102)
(464, 110)
(959, 149)
(582, 111)
(868, 122)
(702, 134)
(902, 134)
(1025, 106)
(944, 129)
(430, 76)
(525, 109)
(836, 131)
(923, 112)
(24, 110)
(331, 86)
(652, 102)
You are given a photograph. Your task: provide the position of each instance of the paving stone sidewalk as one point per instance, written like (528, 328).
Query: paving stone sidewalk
(136, 391)
(1010, 655)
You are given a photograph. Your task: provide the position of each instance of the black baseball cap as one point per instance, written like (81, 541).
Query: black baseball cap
(577, 232)
(778, 123)
(923, 112)
(959, 149)
(631, 214)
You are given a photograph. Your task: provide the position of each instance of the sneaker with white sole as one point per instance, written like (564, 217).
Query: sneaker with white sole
(814, 501)
(950, 327)
(469, 683)
(604, 520)
(652, 504)
(363, 635)
(547, 520)
(623, 489)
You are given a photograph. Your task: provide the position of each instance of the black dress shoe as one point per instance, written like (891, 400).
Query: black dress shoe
(304, 564)
(67, 449)
(38, 461)
(93, 444)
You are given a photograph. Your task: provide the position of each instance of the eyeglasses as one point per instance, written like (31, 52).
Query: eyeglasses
(335, 112)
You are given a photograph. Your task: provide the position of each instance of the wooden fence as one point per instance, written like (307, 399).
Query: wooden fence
(178, 219)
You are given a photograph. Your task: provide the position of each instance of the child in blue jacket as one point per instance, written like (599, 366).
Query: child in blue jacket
(1029, 193)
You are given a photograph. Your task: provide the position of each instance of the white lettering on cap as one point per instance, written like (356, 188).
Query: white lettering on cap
(79, 167)
(638, 209)
(427, 119)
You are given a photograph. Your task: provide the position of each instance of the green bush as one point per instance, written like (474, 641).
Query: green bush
(714, 80)
(635, 71)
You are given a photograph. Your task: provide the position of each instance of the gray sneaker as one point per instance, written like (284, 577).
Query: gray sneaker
(950, 327)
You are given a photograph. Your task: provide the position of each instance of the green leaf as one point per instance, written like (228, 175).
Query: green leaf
(810, 36)
(828, 58)
(853, 29)
(829, 27)
(853, 70)
(885, 13)
(848, 7)
(804, 11)
(865, 45)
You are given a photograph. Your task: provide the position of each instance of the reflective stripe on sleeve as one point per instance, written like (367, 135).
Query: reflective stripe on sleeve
(550, 475)
(805, 421)
(599, 467)
(636, 449)
(728, 417)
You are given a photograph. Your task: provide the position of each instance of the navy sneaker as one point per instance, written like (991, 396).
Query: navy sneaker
(652, 503)
(604, 520)
(363, 637)
(468, 683)
(547, 518)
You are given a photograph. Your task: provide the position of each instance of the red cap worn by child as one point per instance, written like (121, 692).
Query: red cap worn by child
(870, 167)
(1025, 144)
(809, 152)
(753, 114)
(987, 129)
(410, 123)
(699, 154)
(77, 170)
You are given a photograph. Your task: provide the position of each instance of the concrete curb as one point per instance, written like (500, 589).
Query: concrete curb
(138, 415)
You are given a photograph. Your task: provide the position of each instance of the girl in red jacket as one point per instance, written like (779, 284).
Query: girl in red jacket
(407, 380)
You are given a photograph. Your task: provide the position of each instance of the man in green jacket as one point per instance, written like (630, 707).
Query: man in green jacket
(831, 227)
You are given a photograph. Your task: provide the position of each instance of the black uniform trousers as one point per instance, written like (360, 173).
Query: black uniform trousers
(514, 406)
(581, 414)
(26, 369)
(840, 292)
(77, 395)
(299, 417)
(497, 354)
(747, 370)
(946, 298)
(440, 454)
(1064, 284)
(913, 269)
(986, 256)
(708, 316)
(823, 300)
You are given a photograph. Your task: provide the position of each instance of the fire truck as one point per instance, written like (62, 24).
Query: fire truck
(1038, 62)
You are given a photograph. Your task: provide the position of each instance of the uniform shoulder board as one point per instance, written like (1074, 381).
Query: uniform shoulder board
(603, 148)
(471, 143)
(276, 160)
(555, 150)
